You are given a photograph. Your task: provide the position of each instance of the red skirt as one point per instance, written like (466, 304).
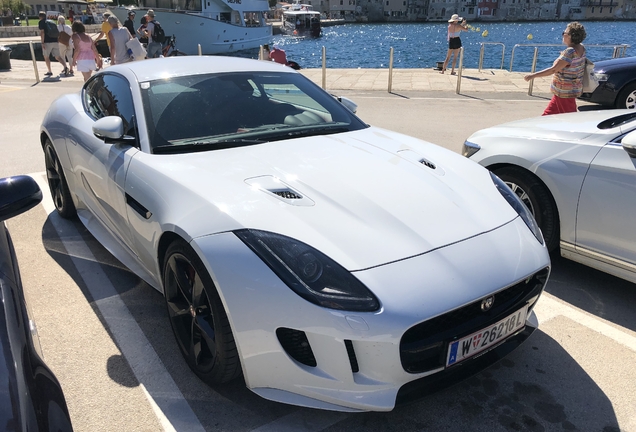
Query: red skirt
(560, 105)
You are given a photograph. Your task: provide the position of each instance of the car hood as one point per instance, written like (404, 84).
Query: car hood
(364, 198)
(579, 127)
(561, 127)
(615, 64)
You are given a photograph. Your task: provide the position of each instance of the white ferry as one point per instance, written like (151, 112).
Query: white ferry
(300, 20)
(219, 26)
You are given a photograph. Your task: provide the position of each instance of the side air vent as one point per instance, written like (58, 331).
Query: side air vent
(287, 194)
(296, 345)
(353, 360)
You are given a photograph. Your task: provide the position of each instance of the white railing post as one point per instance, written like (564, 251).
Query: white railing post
(35, 63)
(324, 68)
(390, 70)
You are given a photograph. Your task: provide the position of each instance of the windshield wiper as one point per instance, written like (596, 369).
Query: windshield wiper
(199, 146)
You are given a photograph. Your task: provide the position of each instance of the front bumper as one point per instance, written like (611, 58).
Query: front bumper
(356, 362)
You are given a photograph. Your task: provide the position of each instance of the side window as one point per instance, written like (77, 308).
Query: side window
(109, 95)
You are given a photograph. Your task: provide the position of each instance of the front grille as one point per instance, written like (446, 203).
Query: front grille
(295, 343)
(423, 347)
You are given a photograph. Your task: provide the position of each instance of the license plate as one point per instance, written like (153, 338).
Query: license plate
(484, 339)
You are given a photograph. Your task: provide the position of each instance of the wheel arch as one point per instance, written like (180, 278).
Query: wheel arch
(621, 92)
(167, 238)
(526, 171)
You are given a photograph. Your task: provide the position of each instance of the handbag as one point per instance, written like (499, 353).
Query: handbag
(64, 38)
(590, 81)
(136, 49)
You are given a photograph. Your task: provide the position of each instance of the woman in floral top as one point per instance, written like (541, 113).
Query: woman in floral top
(567, 71)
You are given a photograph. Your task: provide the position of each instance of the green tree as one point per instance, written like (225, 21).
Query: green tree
(16, 6)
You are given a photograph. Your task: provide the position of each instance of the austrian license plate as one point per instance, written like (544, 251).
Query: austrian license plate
(482, 340)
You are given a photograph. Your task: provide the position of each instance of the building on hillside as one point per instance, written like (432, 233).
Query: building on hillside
(395, 10)
(629, 9)
(487, 9)
(342, 9)
(321, 6)
(531, 10)
(571, 10)
(602, 9)
(441, 10)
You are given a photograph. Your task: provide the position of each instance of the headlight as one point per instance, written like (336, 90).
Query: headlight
(519, 206)
(600, 76)
(470, 149)
(310, 273)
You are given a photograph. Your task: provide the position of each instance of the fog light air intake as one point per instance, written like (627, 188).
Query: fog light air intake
(296, 345)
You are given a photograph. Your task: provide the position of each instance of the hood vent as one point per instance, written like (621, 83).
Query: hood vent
(415, 157)
(428, 163)
(287, 194)
(276, 188)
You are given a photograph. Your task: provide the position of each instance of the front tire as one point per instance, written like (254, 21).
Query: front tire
(627, 97)
(197, 316)
(538, 200)
(57, 183)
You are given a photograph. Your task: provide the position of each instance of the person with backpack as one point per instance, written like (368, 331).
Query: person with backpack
(48, 37)
(155, 35)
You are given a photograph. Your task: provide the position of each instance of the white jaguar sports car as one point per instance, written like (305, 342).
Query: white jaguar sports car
(333, 264)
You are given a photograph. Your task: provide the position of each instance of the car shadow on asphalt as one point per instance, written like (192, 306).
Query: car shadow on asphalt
(600, 294)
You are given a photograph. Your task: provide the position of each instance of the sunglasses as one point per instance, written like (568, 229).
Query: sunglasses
(565, 34)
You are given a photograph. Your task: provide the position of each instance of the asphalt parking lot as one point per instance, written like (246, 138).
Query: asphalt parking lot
(106, 335)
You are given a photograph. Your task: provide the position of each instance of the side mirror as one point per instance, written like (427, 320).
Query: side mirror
(17, 195)
(348, 103)
(109, 127)
(111, 130)
(629, 144)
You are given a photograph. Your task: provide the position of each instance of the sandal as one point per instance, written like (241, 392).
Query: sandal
(453, 73)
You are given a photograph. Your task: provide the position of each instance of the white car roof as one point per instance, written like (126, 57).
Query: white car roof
(161, 68)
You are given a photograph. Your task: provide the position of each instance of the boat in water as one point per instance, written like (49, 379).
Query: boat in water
(300, 20)
(219, 26)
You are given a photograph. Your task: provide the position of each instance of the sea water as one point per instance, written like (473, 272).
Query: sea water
(422, 45)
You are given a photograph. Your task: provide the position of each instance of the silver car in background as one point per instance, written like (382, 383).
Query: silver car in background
(577, 174)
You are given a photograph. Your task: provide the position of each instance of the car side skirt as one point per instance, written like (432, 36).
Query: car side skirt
(604, 263)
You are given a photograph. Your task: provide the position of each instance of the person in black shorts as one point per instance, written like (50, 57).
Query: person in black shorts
(456, 25)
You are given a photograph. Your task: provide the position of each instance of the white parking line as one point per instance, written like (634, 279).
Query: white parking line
(550, 307)
(167, 401)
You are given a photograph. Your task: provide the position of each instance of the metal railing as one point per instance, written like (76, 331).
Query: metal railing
(482, 51)
(619, 50)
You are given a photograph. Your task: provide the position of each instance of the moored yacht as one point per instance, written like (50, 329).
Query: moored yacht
(219, 26)
(300, 20)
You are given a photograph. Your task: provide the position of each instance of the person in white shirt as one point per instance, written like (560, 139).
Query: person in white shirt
(66, 49)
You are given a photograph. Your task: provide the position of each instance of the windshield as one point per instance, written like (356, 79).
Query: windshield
(215, 111)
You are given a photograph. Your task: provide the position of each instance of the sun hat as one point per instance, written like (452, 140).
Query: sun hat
(106, 14)
(455, 18)
(151, 13)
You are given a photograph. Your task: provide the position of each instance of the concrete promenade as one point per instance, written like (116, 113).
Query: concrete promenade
(404, 80)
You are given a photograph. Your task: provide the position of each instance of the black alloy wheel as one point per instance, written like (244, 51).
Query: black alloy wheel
(627, 97)
(538, 200)
(197, 316)
(57, 183)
